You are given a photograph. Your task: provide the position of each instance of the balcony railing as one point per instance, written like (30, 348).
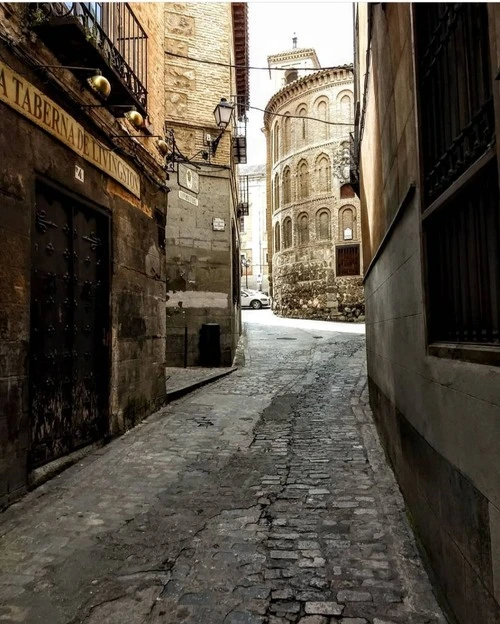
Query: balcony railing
(243, 197)
(111, 29)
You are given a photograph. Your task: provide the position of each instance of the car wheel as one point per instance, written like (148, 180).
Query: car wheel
(256, 305)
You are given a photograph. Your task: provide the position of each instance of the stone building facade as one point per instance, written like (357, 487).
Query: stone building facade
(254, 251)
(203, 41)
(314, 225)
(429, 102)
(82, 229)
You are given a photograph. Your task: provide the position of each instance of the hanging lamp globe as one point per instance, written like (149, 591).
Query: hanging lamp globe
(163, 147)
(135, 118)
(100, 84)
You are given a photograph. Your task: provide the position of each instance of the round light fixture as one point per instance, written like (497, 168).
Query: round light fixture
(163, 147)
(100, 84)
(135, 118)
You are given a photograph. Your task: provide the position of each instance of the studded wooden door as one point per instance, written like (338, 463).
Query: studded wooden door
(69, 369)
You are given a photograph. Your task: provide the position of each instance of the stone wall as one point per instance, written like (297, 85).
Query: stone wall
(309, 289)
(135, 269)
(438, 416)
(201, 280)
(199, 271)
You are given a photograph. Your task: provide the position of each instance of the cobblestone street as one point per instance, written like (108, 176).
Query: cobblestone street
(263, 498)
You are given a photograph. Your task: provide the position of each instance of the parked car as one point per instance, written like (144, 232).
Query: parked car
(254, 299)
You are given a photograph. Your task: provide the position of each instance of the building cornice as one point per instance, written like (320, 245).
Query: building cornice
(294, 55)
(315, 81)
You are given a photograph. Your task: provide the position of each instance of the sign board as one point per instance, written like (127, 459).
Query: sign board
(188, 178)
(188, 198)
(218, 225)
(79, 173)
(29, 101)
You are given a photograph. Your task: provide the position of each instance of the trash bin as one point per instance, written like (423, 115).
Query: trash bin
(210, 344)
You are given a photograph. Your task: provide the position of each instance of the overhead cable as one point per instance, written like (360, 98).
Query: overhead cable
(220, 64)
(330, 123)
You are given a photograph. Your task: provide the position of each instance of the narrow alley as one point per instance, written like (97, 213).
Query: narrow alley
(263, 498)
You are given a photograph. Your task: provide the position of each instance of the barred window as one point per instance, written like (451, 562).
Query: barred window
(277, 237)
(461, 220)
(348, 260)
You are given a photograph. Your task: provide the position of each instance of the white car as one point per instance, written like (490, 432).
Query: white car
(254, 299)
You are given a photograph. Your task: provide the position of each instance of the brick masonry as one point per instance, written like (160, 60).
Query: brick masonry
(304, 277)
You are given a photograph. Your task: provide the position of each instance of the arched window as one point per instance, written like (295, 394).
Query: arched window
(276, 137)
(286, 186)
(287, 233)
(276, 192)
(303, 180)
(291, 75)
(323, 115)
(302, 124)
(324, 174)
(345, 107)
(277, 237)
(286, 134)
(346, 225)
(323, 227)
(303, 223)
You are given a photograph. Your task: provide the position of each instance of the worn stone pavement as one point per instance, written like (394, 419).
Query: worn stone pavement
(263, 498)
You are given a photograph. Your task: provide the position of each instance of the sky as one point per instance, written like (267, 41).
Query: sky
(324, 26)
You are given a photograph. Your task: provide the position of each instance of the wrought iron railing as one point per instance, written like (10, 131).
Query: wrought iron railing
(456, 101)
(115, 31)
(243, 196)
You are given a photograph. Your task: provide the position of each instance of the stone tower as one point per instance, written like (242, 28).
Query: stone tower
(313, 217)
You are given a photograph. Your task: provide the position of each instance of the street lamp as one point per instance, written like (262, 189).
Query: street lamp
(245, 263)
(222, 113)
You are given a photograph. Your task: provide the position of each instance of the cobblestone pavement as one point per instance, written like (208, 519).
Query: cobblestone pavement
(263, 498)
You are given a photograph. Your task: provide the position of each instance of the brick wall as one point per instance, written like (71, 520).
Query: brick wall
(192, 89)
(325, 95)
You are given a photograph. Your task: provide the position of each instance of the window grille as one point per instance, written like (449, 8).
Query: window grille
(461, 221)
(348, 260)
